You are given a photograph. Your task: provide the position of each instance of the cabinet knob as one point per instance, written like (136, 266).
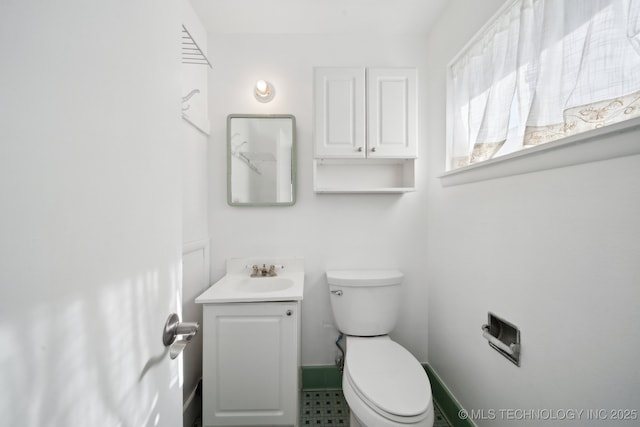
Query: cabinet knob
(289, 312)
(359, 149)
(373, 150)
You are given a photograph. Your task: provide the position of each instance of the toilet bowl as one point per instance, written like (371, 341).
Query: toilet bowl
(383, 383)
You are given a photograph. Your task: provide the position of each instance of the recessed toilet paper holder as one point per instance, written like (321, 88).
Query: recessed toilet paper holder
(174, 328)
(504, 337)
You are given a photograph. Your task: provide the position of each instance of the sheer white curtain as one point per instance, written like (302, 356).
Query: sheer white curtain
(544, 70)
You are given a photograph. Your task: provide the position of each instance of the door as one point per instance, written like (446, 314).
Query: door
(392, 112)
(250, 370)
(91, 213)
(339, 112)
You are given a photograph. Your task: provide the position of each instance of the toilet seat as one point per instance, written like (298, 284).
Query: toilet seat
(386, 377)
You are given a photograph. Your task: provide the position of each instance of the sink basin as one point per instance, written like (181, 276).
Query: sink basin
(238, 285)
(264, 284)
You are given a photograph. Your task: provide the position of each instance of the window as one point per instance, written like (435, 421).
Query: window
(541, 71)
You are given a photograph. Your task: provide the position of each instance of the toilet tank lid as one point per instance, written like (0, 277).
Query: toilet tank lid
(364, 277)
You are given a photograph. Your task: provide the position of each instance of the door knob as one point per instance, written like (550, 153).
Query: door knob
(174, 328)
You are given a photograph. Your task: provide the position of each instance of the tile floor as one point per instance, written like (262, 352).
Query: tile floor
(327, 408)
(323, 408)
(439, 420)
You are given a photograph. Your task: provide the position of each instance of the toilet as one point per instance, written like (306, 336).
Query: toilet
(384, 384)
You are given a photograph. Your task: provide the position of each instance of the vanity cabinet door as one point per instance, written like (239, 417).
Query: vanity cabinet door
(391, 112)
(250, 364)
(340, 112)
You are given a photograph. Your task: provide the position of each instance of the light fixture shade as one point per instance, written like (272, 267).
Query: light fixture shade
(264, 91)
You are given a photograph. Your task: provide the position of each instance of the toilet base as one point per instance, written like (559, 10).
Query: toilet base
(354, 421)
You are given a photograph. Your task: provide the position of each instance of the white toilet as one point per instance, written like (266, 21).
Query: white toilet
(384, 385)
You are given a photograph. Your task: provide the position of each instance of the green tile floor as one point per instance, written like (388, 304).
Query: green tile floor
(323, 408)
(439, 420)
(327, 408)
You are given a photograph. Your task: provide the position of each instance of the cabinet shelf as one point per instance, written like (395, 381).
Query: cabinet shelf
(364, 175)
(356, 190)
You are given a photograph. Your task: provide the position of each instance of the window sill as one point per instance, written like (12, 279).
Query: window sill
(583, 148)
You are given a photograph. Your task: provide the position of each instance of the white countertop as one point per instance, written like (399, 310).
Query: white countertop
(238, 285)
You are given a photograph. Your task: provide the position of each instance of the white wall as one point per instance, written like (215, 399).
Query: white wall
(330, 231)
(90, 219)
(555, 252)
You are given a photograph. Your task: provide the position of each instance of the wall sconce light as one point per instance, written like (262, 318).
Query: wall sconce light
(264, 91)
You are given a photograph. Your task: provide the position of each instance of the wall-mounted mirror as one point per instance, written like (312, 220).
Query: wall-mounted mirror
(261, 160)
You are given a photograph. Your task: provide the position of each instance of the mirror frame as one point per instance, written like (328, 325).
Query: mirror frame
(293, 158)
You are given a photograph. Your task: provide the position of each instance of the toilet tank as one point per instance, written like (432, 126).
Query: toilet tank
(365, 302)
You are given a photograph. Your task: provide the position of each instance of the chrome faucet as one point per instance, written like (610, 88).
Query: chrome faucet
(263, 272)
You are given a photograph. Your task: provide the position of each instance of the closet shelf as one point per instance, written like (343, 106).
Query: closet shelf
(191, 52)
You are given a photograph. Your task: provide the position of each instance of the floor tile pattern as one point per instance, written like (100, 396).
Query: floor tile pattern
(438, 419)
(327, 408)
(323, 408)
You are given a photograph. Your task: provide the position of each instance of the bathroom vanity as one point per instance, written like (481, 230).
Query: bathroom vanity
(251, 344)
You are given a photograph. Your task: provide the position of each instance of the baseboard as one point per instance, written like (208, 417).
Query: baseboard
(322, 377)
(328, 377)
(447, 403)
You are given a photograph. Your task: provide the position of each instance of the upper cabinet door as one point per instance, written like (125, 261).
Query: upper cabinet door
(340, 112)
(391, 109)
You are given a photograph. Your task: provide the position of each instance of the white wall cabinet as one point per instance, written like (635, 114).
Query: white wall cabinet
(251, 364)
(362, 115)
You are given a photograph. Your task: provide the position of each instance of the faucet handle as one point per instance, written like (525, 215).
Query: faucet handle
(272, 269)
(254, 270)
